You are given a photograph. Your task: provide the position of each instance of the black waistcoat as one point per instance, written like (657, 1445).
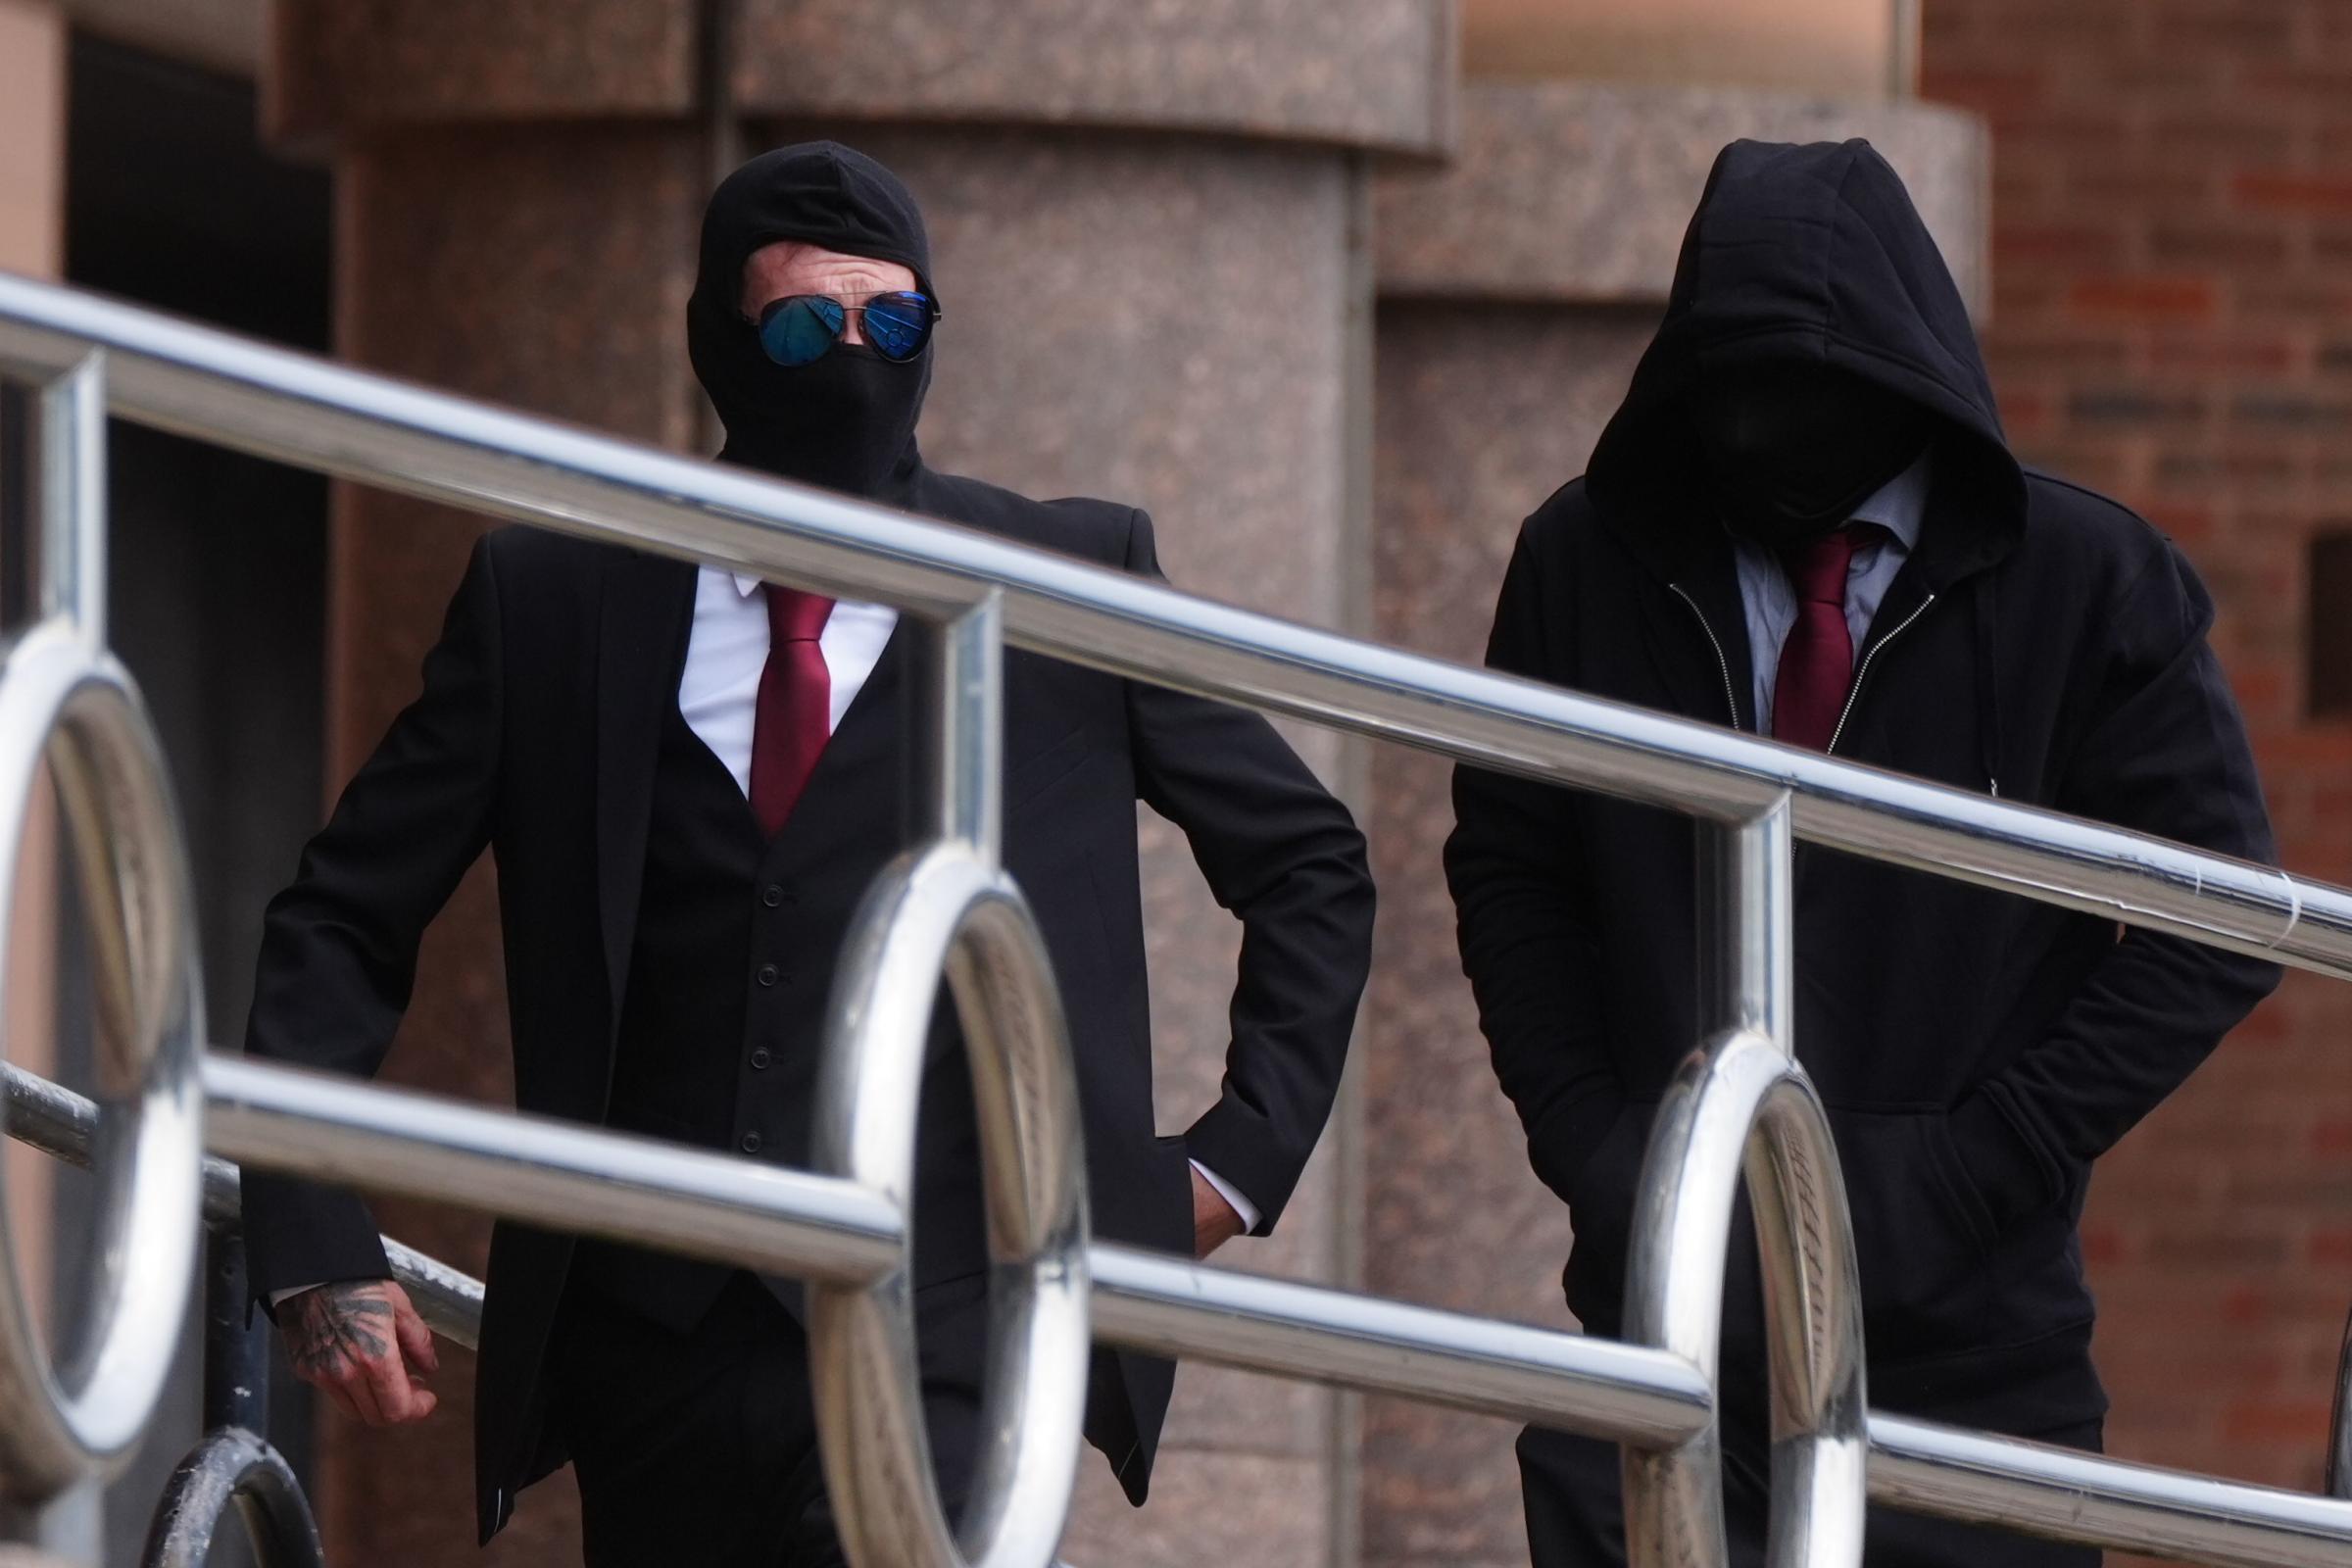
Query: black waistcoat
(729, 985)
(708, 1046)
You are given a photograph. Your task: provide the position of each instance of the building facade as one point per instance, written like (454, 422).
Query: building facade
(1372, 272)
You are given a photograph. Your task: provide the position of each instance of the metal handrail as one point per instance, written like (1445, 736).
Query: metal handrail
(1281, 1327)
(1745, 1089)
(352, 424)
(55, 1120)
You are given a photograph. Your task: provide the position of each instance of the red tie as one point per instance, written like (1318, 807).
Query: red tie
(1817, 661)
(795, 714)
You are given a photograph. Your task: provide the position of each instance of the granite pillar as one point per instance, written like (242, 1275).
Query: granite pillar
(1149, 226)
(1517, 288)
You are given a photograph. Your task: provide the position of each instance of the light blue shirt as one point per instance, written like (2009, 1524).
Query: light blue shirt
(1899, 505)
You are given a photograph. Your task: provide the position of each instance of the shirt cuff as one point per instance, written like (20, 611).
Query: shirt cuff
(279, 1299)
(1226, 1190)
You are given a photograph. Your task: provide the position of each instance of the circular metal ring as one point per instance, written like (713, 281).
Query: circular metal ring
(947, 911)
(63, 701)
(1744, 1094)
(233, 1467)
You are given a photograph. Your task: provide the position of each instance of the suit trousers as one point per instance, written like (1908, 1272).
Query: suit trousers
(1575, 1513)
(701, 1449)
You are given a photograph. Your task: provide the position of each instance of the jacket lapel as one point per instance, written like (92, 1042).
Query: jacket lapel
(647, 605)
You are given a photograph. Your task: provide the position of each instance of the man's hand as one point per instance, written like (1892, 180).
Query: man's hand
(362, 1344)
(1214, 1223)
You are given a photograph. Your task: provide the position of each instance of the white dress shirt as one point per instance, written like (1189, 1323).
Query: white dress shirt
(720, 692)
(1898, 505)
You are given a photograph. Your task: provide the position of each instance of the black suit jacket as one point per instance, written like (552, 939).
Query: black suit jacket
(536, 735)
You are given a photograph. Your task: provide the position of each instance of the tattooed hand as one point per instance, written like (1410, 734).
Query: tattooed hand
(362, 1342)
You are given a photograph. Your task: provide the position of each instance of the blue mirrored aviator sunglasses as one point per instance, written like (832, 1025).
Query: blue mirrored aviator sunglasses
(801, 328)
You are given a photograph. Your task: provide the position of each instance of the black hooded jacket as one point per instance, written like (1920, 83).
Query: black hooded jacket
(1976, 1052)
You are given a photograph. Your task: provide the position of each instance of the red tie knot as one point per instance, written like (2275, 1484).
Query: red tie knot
(1818, 570)
(795, 616)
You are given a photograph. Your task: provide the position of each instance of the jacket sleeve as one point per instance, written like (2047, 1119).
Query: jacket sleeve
(1286, 858)
(338, 954)
(1523, 921)
(2163, 753)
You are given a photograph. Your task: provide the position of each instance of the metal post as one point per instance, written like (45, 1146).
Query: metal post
(1724, 1113)
(947, 909)
(236, 1346)
(957, 762)
(73, 497)
(1747, 941)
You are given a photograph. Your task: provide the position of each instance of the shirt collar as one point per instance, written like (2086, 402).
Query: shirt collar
(746, 586)
(1901, 505)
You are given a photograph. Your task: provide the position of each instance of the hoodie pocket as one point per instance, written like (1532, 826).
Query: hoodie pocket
(1921, 1236)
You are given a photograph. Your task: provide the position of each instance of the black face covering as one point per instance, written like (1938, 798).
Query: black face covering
(1792, 448)
(846, 420)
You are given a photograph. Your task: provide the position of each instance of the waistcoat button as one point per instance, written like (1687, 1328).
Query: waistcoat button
(767, 975)
(771, 895)
(760, 1058)
(750, 1142)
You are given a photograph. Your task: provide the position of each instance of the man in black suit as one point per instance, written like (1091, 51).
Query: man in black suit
(689, 781)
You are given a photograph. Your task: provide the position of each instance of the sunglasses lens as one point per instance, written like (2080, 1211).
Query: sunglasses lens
(898, 325)
(802, 330)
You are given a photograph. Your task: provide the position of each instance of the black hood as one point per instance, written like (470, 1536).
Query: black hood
(1810, 253)
(847, 422)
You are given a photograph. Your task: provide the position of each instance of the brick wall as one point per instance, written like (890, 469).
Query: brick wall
(2172, 323)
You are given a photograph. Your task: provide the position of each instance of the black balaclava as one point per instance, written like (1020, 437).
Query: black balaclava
(847, 422)
(1793, 447)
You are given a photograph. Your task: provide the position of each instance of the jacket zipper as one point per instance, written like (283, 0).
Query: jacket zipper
(1862, 674)
(1720, 663)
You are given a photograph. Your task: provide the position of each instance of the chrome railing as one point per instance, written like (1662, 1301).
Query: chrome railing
(1741, 1107)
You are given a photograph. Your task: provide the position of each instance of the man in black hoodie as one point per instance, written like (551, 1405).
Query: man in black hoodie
(689, 779)
(1804, 522)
